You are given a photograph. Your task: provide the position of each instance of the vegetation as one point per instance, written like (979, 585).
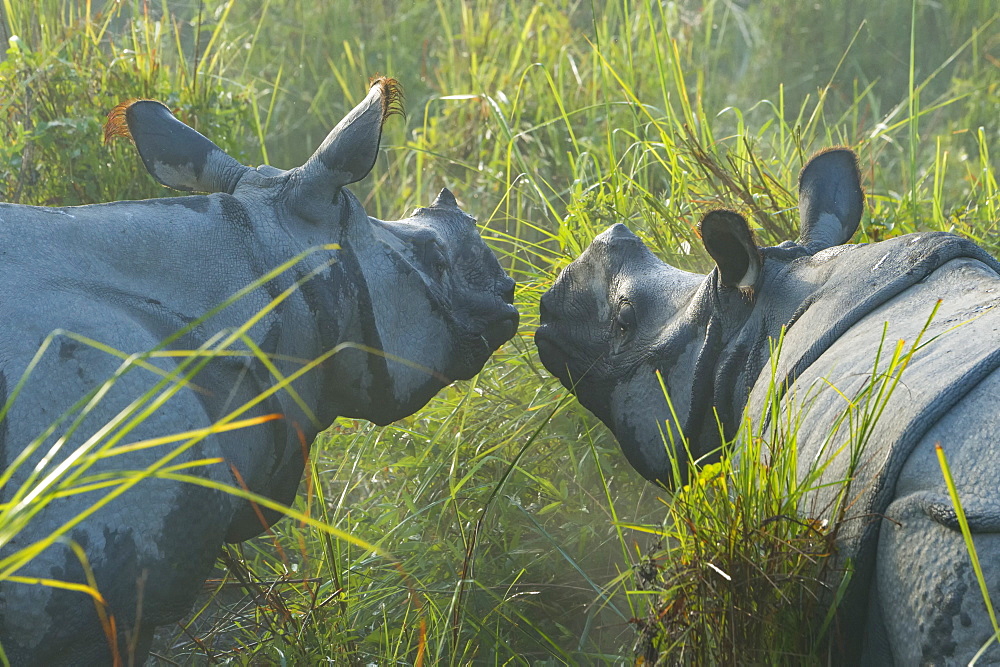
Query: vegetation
(514, 529)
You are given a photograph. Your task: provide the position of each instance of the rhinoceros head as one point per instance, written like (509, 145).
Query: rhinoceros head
(625, 331)
(603, 336)
(436, 305)
(409, 305)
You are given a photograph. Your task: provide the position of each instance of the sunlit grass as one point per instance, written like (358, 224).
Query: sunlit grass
(513, 521)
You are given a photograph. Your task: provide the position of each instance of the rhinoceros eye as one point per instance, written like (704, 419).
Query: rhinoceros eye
(625, 319)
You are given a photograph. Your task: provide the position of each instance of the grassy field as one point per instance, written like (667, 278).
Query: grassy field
(517, 532)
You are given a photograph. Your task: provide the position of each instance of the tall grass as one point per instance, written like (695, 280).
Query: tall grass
(513, 522)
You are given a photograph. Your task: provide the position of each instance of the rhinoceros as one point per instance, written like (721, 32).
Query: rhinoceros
(617, 320)
(394, 310)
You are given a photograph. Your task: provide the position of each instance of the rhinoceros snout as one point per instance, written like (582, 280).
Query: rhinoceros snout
(503, 327)
(552, 303)
(507, 291)
(543, 307)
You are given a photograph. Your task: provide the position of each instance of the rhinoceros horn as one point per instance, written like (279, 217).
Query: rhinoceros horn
(445, 200)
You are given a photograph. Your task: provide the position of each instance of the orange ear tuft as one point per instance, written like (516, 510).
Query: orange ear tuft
(117, 124)
(392, 95)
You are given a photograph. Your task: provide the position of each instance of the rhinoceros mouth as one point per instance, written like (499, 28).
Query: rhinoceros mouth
(479, 344)
(552, 356)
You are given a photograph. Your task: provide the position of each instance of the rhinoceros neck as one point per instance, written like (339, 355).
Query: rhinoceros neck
(720, 366)
(739, 331)
(803, 304)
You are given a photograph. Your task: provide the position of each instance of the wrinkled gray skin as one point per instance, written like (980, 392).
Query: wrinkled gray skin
(617, 316)
(425, 290)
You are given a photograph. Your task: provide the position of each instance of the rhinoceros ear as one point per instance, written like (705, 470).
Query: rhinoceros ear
(348, 153)
(729, 241)
(174, 154)
(831, 200)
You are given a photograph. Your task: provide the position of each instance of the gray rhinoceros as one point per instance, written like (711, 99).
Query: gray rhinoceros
(393, 310)
(618, 319)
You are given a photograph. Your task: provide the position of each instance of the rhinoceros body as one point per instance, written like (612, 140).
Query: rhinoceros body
(393, 310)
(617, 316)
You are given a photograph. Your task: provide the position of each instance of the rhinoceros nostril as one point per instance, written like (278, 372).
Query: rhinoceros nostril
(543, 308)
(508, 292)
